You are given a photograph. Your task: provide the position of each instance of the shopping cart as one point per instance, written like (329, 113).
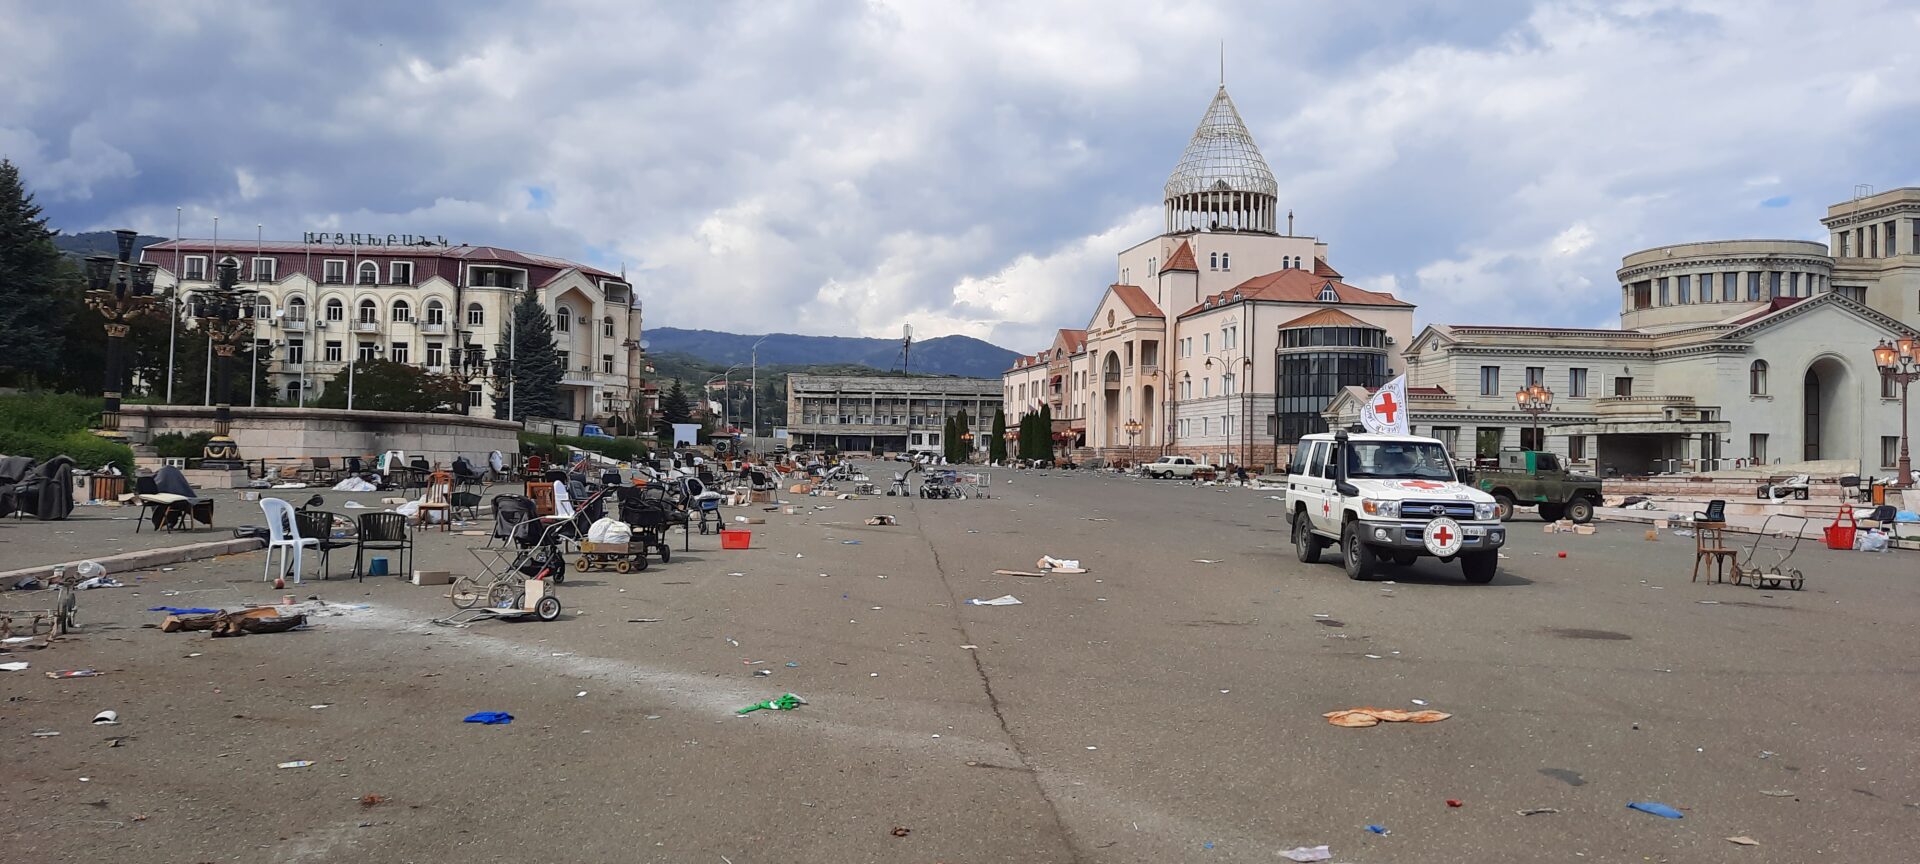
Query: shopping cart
(1778, 545)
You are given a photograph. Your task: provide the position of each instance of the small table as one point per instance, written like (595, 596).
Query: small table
(1709, 545)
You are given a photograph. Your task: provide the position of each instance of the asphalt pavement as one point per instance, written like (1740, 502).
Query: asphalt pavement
(1156, 708)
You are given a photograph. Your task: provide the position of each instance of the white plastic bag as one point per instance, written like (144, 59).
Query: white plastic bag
(1871, 541)
(597, 532)
(619, 532)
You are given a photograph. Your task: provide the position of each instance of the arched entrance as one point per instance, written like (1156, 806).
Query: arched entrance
(1110, 398)
(1148, 422)
(1826, 427)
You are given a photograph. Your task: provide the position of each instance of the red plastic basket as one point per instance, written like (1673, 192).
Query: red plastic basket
(1841, 536)
(731, 539)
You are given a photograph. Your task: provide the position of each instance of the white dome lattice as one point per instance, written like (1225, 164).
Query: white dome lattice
(1221, 157)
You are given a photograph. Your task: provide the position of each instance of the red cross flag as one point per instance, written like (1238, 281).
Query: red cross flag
(1386, 412)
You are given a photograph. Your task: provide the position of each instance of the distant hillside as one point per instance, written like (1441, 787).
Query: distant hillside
(102, 242)
(944, 355)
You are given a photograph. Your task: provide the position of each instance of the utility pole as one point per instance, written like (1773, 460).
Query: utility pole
(753, 387)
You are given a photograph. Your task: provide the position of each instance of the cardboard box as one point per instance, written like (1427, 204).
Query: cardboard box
(432, 577)
(763, 496)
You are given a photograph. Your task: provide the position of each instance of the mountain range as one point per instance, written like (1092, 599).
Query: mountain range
(100, 242)
(942, 355)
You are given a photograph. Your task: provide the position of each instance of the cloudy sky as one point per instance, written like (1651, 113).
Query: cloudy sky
(844, 167)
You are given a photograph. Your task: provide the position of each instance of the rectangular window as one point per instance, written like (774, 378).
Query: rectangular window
(1642, 295)
(333, 272)
(606, 363)
(1846, 243)
(1273, 424)
(400, 273)
(1623, 386)
(1577, 448)
(1757, 449)
(436, 354)
(195, 267)
(363, 351)
(1206, 387)
(334, 350)
(1793, 285)
(335, 310)
(264, 269)
(1489, 380)
(1729, 287)
(1531, 438)
(564, 368)
(1317, 463)
(1684, 286)
(1888, 389)
(1447, 435)
(473, 396)
(398, 353)
(296, 351)
(1536, 375)
(1889, 450)
(1773, 283)
(1206, 343)
(1666, 296)
(1577, 383)
(1753, 285)
(1206, 426)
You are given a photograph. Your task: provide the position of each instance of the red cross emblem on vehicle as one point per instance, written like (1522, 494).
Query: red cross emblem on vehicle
(1423, 484)
(1326, 507)
(1444, 536)
(1386, 406)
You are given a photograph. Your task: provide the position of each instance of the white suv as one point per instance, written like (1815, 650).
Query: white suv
(1389, 498)
(1167, 467)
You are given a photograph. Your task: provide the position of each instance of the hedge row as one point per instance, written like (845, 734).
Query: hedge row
(44, 425)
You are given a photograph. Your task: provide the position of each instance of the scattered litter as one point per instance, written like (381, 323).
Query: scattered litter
(15, 640)
(787, 702)
(1743, 841)
(970, 647)
(372, 800)
(1002, 600)
(849, 542)
(798, 555)
(1708, 602)
(1206, 560)
(490, 718)
(1059, 565)
(901, 831)
(645, 620)
(762, 673)
(46, 733)
(318, 707)
(791, 665)
(731, 642)
(1307, 853)
(1378, 829)
(1766, 754)
(353, 505)
(70, 673)
(1031, 573)
(1418, 701)
(15, 666)
(299, 764)
(579, 694)
(184, 610)
(1455, 802)
(1360, 717)
(1373, 657)
(99, 582)
(1656, 808)
(881, 519)
(1777, 793)
(106, 718)
(1535, 811)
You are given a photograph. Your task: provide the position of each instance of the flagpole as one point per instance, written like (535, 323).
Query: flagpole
(173, 305)
(213, 259)
(313, 309)
(253, 377)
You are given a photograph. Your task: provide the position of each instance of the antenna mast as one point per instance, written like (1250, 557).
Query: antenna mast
(906, 346)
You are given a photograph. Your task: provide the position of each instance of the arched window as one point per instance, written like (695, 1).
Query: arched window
(369, 313)
(1757, 378)
(297, 309)
(402, 312)
(263, 307)
(1226, 260)
(476, 315)
(436, 313)
(606, 326)
(563, 319)
(369, 273)
(1213, 261)
(336, 310)
(233, 262)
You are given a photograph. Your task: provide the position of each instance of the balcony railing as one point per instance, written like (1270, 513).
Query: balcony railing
(1111, 378)
(364, 326)
(433, 327)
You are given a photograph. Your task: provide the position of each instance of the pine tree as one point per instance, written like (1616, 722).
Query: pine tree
(33, 281)
(1046, 432)
(675, 407)
(535, 365)
(997, 448)
(962, 424)
(949, 437)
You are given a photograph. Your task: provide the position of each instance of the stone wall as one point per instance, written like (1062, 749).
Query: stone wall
(281, 435)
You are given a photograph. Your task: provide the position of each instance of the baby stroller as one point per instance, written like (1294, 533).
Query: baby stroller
(941, 485)
(648, 511)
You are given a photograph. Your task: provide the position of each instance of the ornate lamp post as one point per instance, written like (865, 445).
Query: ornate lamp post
(1535, 400)
(1899, 362)
(1133, 428)
(122, 292)
(226, 314)
(1013, 443)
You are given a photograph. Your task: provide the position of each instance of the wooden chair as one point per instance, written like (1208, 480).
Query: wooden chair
(439, 490)
(1710, 544)
(542, 495)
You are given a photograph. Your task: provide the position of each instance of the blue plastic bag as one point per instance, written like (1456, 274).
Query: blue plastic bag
(1656, 808)
(491, 718)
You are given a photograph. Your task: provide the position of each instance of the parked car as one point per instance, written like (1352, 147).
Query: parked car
(1169, 467)
(1528, 478)
(1389, 499)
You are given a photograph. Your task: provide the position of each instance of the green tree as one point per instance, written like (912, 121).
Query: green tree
(33, 279)
(997, 448)
(949, 439)
(383, 385)
(534, 365)
(676, 407)
(1046, 432)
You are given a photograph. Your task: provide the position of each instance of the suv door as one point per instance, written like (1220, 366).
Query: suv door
(1315, 488)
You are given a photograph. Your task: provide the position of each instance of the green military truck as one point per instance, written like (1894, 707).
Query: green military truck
(1529, 478)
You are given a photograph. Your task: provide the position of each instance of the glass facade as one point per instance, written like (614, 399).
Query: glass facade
(1309, 379)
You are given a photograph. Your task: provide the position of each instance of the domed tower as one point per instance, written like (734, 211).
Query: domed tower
(1222, 183)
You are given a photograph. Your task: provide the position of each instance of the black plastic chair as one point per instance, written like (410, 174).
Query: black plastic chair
(317, 525)
(382, 532)
(466, 477)
(1716, 511)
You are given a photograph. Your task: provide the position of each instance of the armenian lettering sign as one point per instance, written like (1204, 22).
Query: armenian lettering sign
(327, 238)
(1386, 412)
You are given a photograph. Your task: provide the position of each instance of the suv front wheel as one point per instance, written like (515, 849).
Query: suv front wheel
(1479, 567)
(1360, 559)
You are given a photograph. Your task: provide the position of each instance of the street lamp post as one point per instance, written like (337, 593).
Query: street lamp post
(122, 292)
(1013, 437)
(753, 387)
(1899, 362)
(1133, 428)
(1535, 400)
(966, 438)
(226, 313)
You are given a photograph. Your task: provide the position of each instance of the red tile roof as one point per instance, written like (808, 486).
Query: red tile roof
(1323, 269)
(1328, 317)
(1774, 305)
(1076, 340)
(1137, 300)
(1182, 260)
(1418, 391)
(1300, 286)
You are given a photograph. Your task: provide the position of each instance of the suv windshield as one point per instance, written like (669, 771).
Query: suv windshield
(1410, 460)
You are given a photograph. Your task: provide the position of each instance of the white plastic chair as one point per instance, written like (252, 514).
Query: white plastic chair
(284, 535)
